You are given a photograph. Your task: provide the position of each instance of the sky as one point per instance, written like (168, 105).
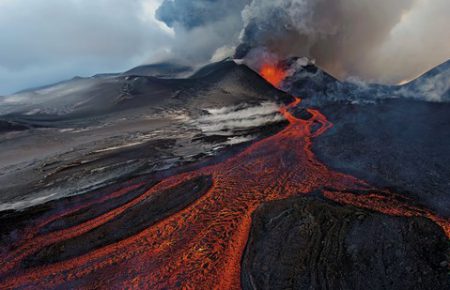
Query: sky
(46, 41)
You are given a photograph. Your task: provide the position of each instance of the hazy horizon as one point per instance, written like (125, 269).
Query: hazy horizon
(48, 41)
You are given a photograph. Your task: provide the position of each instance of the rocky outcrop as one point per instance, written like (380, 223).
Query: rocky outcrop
(311, 243)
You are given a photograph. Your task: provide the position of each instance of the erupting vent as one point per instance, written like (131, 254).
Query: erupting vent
(273, 74)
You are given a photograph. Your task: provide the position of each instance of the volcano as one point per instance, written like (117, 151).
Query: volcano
(166, 177)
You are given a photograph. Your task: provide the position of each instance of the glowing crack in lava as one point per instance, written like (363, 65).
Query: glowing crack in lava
(200, 246)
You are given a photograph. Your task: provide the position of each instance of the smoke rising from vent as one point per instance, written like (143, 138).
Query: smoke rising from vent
(380, 41)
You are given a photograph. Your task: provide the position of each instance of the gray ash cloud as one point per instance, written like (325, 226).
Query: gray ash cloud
(345, 37)
(191, 14)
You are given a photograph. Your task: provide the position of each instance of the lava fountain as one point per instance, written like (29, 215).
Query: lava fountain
(273, 74)
(200, 245)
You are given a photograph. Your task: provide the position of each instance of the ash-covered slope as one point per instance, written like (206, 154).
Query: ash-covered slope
(82, 134)
(231, 84)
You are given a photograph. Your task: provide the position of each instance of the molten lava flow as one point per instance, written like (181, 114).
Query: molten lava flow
(273, 74)
(200, 246)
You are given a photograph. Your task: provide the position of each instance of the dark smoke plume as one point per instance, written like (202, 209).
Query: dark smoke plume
(361, 38)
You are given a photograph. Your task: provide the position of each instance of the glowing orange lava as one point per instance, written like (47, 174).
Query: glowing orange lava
(200, 247)
(273, 74)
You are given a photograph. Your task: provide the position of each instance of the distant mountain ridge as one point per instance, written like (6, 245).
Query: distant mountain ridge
(102, 92)
(318, 87)
(96, 96)
(160, 70)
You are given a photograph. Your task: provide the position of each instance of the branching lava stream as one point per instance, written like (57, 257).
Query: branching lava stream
(200, 246)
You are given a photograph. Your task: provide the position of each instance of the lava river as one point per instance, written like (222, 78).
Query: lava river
(200, 245)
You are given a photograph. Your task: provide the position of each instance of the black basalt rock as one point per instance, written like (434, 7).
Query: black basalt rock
(311, 243)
